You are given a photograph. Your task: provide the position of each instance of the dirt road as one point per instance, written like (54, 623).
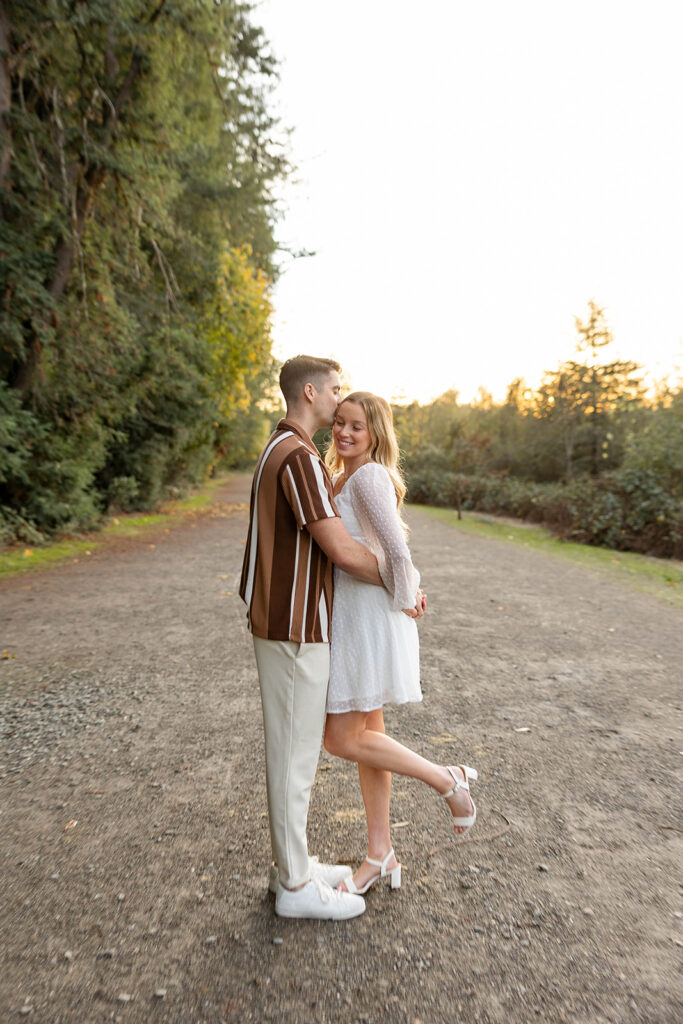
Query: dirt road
(133, 831)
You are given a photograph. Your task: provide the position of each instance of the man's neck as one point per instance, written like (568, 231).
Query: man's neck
(305, 422)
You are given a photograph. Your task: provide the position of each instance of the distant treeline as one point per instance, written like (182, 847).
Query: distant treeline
(137, 167)
(587, 453)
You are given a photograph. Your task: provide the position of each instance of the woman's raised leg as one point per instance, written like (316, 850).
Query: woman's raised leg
(351, 736)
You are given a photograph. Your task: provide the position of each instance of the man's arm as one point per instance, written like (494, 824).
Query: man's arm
(335, 540)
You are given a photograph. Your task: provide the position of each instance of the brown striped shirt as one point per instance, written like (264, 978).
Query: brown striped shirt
(286, 578)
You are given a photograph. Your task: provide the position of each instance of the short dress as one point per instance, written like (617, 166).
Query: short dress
(374, 656)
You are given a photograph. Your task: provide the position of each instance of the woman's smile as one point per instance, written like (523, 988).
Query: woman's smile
(351, 434)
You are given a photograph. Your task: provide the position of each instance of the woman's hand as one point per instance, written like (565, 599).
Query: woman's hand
(420, 606)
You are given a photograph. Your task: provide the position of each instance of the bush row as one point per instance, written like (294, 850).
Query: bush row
(627, 510)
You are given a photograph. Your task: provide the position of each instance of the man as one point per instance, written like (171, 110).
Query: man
(295, 534)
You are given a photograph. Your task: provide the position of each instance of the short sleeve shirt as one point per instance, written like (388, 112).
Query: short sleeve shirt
(286, 577)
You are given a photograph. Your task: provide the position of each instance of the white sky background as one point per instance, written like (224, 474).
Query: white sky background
(469, 176)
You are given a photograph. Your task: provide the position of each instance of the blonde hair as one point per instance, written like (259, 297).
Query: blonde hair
(383, 443)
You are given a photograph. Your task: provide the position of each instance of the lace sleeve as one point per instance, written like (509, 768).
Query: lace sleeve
(374, 501)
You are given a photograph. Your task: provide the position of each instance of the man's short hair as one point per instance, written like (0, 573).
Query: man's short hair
(299, 371)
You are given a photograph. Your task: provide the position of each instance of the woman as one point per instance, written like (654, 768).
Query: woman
(374, 655)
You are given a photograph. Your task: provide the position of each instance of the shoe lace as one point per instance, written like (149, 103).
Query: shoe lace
(325, 891)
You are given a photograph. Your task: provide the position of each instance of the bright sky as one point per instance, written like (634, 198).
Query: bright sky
(469, 176)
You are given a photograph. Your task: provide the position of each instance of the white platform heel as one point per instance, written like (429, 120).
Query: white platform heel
(393, 874)
(469, 773)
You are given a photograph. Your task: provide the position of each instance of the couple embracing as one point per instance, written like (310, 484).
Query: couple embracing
(323, 530)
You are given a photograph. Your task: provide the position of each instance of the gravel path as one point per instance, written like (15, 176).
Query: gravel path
(133, 830)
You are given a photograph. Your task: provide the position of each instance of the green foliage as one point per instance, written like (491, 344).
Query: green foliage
(20, 431)
(243, 373)
(135, 194)
(622, 510)
(657, 448)
(236, 325)
(585, 454)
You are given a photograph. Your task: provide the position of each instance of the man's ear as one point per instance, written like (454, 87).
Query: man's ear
(309, 392)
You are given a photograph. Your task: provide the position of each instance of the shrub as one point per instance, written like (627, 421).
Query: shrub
(624, 510)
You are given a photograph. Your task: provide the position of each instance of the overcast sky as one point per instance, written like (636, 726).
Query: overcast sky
(469, 176)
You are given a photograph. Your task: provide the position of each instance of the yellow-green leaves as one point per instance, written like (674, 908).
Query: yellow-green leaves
(237, 329)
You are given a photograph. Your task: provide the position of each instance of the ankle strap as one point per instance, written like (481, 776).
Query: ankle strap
(381, 863)
(464, 784)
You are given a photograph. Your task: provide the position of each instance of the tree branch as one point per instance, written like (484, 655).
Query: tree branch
(168, 275)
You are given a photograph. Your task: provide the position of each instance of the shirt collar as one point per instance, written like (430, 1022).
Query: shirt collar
(286, 424)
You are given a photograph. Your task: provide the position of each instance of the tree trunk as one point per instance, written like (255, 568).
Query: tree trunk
(595, 441)
(25, 376)
(569, 457)
(5, 95)
(66, 248)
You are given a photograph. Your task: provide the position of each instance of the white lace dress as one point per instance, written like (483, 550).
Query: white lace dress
(374, 652)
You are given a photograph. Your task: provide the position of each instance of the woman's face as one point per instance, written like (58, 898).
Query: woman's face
(350, 431)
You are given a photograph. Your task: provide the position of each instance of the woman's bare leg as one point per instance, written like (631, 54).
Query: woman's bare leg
(350, 736)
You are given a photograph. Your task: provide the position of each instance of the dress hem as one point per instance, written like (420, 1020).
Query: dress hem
(375, 707)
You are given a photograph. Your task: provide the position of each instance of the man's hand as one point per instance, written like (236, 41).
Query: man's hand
(420, 606)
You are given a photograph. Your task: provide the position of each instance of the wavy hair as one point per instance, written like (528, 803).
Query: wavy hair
(383, 443)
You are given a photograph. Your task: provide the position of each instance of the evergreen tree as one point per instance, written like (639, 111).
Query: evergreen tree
(590, 400)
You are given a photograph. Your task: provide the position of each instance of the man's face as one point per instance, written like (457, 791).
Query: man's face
(327, 398)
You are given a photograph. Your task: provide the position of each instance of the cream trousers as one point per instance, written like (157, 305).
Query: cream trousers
(293, 679)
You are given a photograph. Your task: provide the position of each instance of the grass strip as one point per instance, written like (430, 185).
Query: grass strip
(19, 560)
(658, 576)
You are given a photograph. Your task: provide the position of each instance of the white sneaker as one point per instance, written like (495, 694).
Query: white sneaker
(318, 900)
(333, 874)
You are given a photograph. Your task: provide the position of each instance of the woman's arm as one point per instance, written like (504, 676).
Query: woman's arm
(374, 501)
